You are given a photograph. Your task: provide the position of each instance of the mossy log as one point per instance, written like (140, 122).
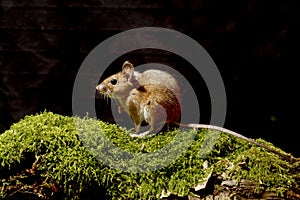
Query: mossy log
(49, 156)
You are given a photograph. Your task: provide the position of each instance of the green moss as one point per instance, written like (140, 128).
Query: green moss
(47, 154)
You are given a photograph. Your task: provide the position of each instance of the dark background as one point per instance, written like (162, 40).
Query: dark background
(44, 42)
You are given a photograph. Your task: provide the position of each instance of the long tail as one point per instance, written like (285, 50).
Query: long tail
(224, 130)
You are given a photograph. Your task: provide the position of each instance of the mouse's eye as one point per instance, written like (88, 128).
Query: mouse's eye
(113, 81)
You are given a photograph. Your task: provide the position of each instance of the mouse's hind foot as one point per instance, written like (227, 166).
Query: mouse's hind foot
(145, 134)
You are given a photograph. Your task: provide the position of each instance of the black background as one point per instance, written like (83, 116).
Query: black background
(44, 42)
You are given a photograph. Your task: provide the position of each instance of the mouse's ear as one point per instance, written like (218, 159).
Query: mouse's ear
(127, 70)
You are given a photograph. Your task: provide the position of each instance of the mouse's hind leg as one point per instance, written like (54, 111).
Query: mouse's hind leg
(152, 131)
(143, 134)
(155, 115)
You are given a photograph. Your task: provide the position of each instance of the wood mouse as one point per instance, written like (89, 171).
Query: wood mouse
(154, 97)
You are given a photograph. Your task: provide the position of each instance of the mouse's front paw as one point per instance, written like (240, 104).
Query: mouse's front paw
(120, 109)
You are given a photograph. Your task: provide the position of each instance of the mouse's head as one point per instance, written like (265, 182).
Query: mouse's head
(120, 84)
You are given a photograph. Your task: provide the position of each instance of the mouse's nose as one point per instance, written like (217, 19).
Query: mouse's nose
(101, 88)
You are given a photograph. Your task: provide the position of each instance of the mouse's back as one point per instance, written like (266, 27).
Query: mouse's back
(159, 78)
